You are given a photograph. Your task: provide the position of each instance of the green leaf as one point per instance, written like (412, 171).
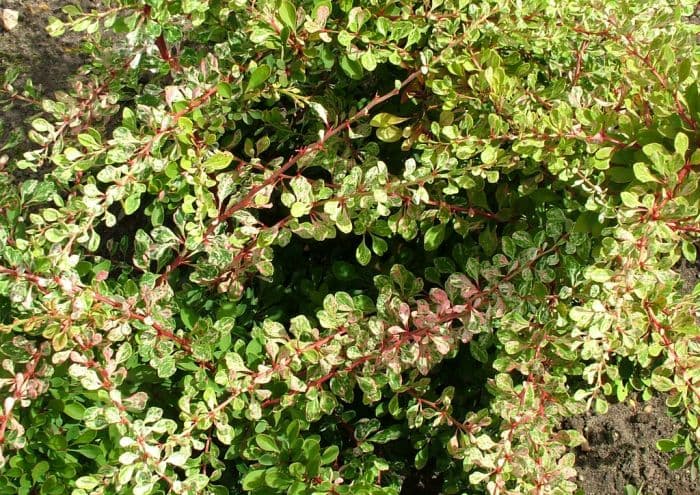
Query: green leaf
(421, 459)
(389, 134)
(351, 67)
(132, 203)
(330, 455)
(166, 367)
(601, 406)
(288, 14)
(434, 236)
(665, 445)
(300, 209)
(266, 442)
(218, 161)
(320, 110)
(54, 234)
(630, 490)
(642, 173)
(629, 199)
(599, 275)
(689, 250)
(87, 482)
(274, 478)
(384, 119)
(488, 240)
(189, 317)
(74, 410)
(379, 246)
(368, 61)
(661, 383)
(677, 461)
(259, 76)
(253, 480)
(39, 470)
(224, 89)
(681, 144)
(363, 254)
(90, 451)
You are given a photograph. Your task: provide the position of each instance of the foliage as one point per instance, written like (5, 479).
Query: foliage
(312, 247)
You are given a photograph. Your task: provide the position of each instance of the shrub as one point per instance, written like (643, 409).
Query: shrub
(313, 247)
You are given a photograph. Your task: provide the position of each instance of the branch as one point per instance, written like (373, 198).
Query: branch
(275, 176)
(74, 289)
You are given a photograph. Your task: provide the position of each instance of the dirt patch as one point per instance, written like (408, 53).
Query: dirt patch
(48, 62)
(622, 451)
(690, 273)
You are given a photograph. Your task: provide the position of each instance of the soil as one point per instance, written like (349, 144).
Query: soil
(48, 62)
(622, 451)
(621, 444)
(690, 273)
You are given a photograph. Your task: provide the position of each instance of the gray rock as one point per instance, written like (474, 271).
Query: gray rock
(9, 19)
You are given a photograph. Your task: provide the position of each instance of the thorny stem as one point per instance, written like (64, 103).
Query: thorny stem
(277, 174)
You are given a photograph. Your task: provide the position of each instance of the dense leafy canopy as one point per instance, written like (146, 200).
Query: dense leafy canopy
(315, 247)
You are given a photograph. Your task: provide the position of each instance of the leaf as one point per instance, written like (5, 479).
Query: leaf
(39, 470)
(300, 209)
(434, 236)
(351, 67)
(253, 480)
(384, 119)
(677, 461)
(665, 445)
(74, 410)
(276, 479)
(224, 89)
(661, 383)
(689, 250)
(363, 254)
(320, 110)
(288, 14)
(218, 161)
(368, 61)
(489, 155)
(629, 199)
(478, 352)
(642, 173)
(179, 457)
(72, 154)
(267, 443)
(87, 482)
(681, 144)
(166, 367)
(488, 240)
(54, 235)
(259, 76)
(132, 203)
(421, 458)
(189, 317)
(389, 134)
(599, 275)
(601, 406)
(379, 246)
(330, 455)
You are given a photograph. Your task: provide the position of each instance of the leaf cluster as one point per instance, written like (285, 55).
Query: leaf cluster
(310, 247)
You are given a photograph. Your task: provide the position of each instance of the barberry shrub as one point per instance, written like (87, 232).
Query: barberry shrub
(313, 247)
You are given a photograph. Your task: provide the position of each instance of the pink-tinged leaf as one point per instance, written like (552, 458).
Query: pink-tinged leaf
(440, 298)
(404, 313)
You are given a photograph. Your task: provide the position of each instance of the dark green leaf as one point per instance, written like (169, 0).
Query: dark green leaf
(259, 76)
(434, 236)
